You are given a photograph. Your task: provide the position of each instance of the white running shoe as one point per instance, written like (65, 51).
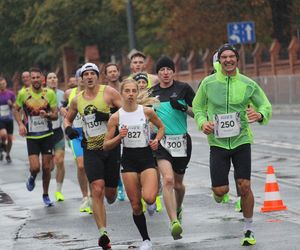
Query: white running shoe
(146, 245)
(151, 208)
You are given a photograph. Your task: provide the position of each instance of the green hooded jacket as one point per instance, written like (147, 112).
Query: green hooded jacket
(221, 94)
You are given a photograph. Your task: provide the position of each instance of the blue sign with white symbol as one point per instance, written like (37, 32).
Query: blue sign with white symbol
(241, 32)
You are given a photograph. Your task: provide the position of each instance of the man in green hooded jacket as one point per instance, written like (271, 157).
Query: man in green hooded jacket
(222, 111)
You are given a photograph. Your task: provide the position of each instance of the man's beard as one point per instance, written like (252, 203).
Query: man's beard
(36, 87)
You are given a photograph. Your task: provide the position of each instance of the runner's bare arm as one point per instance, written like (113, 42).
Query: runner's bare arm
(154, 119)
(72, 112)
(17, 115)
(64, 108)
(67, 94)
(51, 115)
(116, 98)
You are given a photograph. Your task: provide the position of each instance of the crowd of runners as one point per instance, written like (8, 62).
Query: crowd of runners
(132, 135)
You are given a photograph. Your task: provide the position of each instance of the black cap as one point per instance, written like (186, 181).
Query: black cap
(164, 61)
(227, 46)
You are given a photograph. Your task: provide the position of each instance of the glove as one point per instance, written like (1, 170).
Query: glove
(71, 133)
(64, 104)
(101, 116)
(177, 105)
(113, 110)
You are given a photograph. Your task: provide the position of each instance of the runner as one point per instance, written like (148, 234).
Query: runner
(72, 83)
(25, 79)
(25, 84)
(58, 138)
(102, 168)
(112, 75)
(39, 106)
(7, 100)
(174, 151)
(137, 64)
(139, 173)
(142, 80)
(222, 113)
(86, 203)
(226, 198)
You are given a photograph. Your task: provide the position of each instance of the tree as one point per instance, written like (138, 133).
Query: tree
(39, 30)
(281, 18)
(13, 57)
(170, 26)
(35, 32)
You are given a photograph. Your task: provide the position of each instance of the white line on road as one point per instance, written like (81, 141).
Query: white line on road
(269, 143)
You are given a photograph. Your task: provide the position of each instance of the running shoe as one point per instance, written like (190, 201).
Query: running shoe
(47, 200)
(59, 196)
(121, 194)
(225, 198)
(8, 159)
(146, 245)
(104, 241)
(217, 199)
(158, 204)
(248, 239)
(179, 214)
(151, 208)
(144, 207)
(90, 209)
(30, 184)
(85, 205)
(238, 207)
(176, 230)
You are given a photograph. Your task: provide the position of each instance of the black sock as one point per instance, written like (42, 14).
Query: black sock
(45, 195)
(140, 222)
(3, 147)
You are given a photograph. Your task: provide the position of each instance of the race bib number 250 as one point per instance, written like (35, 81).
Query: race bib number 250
(227, 125)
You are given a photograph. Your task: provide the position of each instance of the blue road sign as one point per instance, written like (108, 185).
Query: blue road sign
(241, 32)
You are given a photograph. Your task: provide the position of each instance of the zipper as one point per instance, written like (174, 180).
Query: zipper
(227, 105)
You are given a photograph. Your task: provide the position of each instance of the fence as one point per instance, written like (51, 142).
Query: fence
(282, 89)
(275, 68)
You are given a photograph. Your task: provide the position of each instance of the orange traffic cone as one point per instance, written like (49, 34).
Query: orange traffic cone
(272, 201)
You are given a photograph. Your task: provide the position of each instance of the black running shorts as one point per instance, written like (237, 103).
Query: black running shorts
(102, 165)
(220, 162)
(179, 164)
(38, 146)
(8, 125)
(137, 159)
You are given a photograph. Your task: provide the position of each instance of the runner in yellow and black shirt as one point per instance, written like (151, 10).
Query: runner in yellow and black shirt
(101, 167)
(40, 108)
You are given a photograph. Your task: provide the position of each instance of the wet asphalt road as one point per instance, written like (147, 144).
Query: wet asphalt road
(26, 224)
